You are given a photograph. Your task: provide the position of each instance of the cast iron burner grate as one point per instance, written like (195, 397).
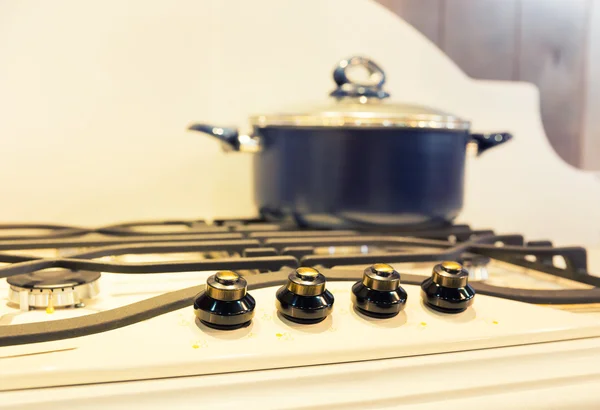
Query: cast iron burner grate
(268, 248)
(250, 228)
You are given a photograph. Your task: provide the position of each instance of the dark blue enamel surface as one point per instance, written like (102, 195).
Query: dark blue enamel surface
(356, 177)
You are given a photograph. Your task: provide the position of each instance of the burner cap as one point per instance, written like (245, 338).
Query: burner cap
(53, 279)
(52, 288)
(474, 259)
(476, 265)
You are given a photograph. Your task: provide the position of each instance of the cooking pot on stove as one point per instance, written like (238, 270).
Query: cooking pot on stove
(360, 160)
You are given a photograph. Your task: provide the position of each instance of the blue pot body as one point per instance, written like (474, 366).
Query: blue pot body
(352, 178)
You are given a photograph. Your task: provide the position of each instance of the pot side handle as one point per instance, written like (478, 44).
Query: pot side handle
(491, 140)
(229, 136)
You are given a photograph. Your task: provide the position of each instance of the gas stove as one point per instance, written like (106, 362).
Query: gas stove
(173, 313)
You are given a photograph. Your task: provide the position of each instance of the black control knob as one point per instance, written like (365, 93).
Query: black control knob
(225, 304)
(448, 289)
(379, 293)
(304, 298)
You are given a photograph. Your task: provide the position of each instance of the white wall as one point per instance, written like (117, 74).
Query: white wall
(96, 95)
(95, 98)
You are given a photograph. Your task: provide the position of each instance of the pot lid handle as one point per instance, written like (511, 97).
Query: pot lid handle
(371, 87)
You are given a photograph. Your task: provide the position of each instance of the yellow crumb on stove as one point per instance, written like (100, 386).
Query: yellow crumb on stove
(199, 343)
(284, 336)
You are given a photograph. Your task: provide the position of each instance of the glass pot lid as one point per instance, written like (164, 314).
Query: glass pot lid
(362, 103)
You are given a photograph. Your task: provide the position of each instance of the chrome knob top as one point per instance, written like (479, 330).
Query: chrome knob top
(381, 277)
(226, 286)
(307, 274)
(306, 282)
(227, 277)
(451, 267)
(450, 275)
(382, 269)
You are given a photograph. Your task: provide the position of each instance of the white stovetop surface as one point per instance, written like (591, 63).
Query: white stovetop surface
(175, 344)
(493, 345)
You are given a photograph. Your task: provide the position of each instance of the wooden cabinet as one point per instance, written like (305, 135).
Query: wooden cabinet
(546, 42)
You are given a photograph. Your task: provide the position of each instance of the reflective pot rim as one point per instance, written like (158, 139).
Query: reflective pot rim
(308, 121)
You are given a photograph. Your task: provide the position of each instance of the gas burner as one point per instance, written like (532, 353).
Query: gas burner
(476, 265)
(52, 288)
